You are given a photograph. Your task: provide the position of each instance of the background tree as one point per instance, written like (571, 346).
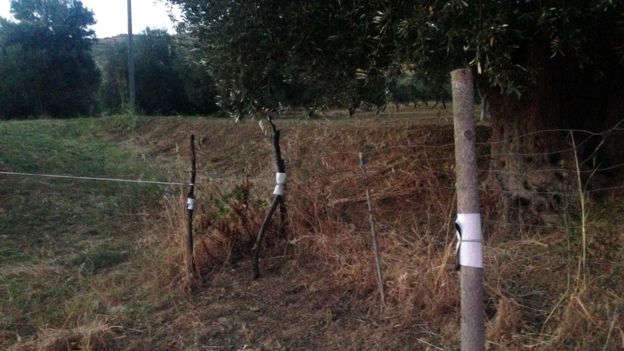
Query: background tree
(196, 77)
(114, 88)
(160, 89)
(414, 87)
(46, 66)
(168, 78)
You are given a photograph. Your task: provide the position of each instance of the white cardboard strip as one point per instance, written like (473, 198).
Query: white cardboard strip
(280, 187)
(280, 178)
(279, 190)
(471, 246)
(190, 203)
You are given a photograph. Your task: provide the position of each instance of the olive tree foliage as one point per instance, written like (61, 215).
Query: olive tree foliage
(259, 48)
(46, 68)
(508, 43)
(542, 65)
(265, 54)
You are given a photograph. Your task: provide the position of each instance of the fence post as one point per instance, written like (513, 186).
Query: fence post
(190, 206)
(280, 167)
(470, 248)
(380, 280)
(279, 192)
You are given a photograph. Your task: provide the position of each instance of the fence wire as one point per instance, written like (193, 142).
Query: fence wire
(424, 167)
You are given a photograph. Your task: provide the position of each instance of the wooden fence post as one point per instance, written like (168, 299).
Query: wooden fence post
(470, 247)
(190, 206)
(280, 167)
(279, 193)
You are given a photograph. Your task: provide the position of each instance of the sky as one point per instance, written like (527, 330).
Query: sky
(111, 15)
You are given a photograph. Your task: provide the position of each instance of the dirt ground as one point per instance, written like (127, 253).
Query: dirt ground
(286, 309)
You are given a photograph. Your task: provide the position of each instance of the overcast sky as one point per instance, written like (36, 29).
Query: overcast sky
(111, 15)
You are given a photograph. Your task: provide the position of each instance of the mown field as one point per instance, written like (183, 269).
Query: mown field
(69, 247)
(88, 265)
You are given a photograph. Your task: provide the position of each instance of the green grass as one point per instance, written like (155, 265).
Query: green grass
(58, 236)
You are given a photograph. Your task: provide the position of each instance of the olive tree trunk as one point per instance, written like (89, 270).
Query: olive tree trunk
(532, 157)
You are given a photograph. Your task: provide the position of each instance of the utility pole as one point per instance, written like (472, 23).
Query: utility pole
(131, 85)
(470, 246)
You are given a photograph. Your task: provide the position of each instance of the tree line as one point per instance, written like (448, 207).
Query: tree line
(168, 80)
(51, 65)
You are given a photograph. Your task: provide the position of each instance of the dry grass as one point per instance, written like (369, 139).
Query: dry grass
(318, 287)
(94, 337)
(530, 301)
(227, 222)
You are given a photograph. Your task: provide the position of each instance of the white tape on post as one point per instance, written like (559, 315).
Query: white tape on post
(280, 178)
(280, 186)
(471, 246)
(190, 203)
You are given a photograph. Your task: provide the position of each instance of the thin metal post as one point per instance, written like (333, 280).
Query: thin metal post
(378, 269)
(468, 218)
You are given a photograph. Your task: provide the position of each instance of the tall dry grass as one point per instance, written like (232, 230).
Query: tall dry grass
(97, 336)
(533, 300)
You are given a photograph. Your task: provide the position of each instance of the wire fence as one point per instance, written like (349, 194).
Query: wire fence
(436, 160)
(416, 166)
(101, 179)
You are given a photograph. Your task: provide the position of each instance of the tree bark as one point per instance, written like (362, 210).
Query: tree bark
(531, 156)
(518, 150)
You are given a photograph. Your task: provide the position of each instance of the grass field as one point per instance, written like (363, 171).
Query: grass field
(88, 265)
(67, 243)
